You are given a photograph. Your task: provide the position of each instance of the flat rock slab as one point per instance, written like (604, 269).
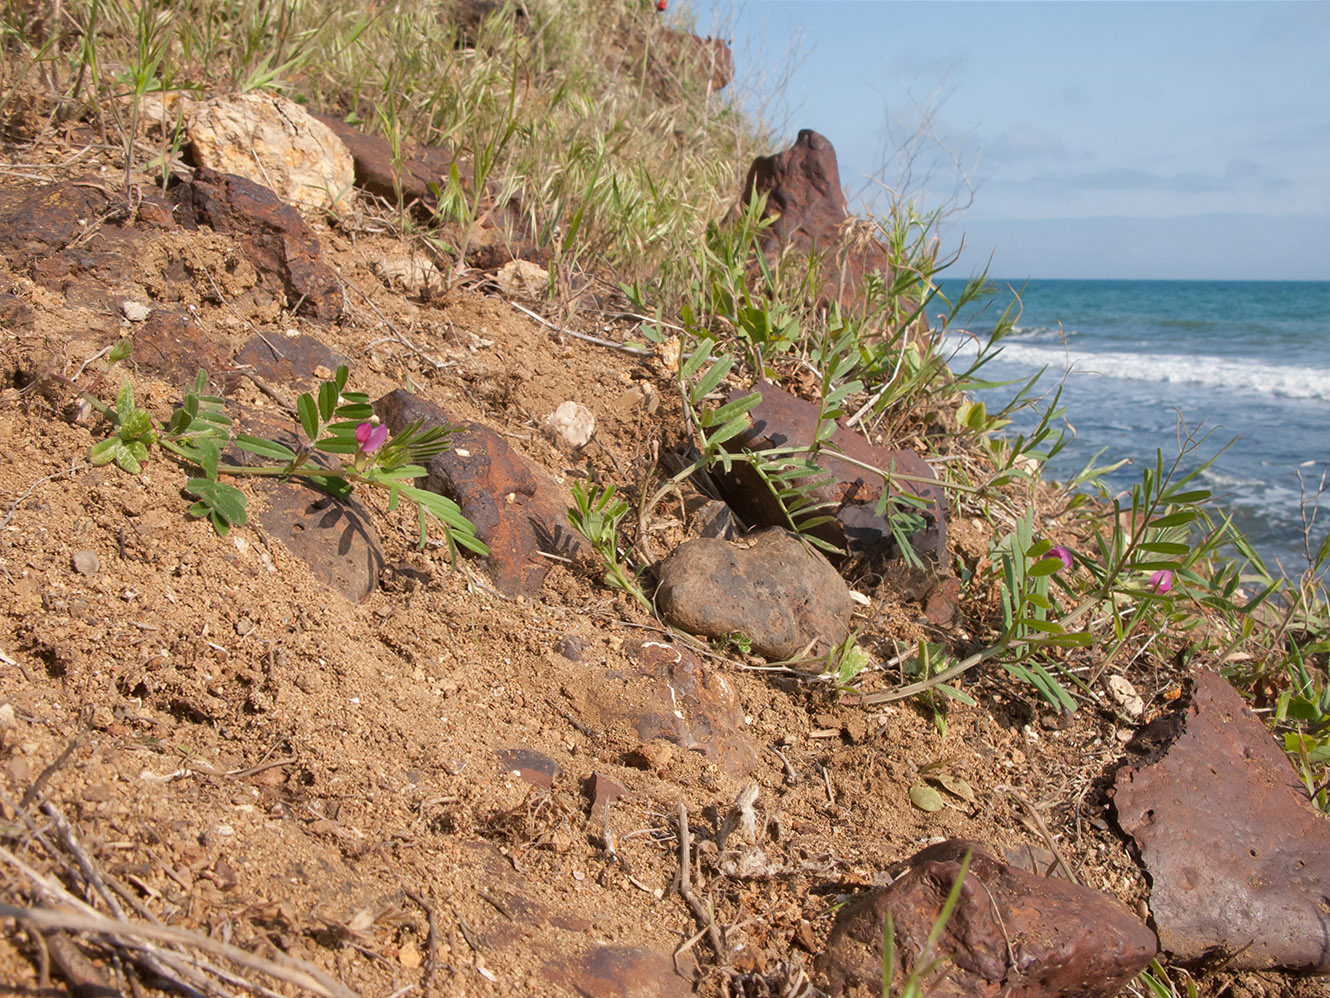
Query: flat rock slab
(1012, 933)
(335, 537)
(786, 599)
(298, 362)
(517, 510)
(669, 693)
(784, 420)
(278, 242)
(1238, 859)
(173, 344)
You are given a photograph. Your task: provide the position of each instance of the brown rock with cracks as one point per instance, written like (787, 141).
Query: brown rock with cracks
(1012, 933)
(786, 599)
(277, 241)
(669, 693)
(802, 185)
(1238, 859)
(517, 510)
(334, 537)
(784, 420)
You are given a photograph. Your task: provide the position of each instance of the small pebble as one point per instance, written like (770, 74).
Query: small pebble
(86, 563)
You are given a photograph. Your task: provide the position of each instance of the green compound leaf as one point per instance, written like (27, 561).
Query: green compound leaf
(223, 504)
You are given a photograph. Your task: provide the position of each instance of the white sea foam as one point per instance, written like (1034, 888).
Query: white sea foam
(1284, 381)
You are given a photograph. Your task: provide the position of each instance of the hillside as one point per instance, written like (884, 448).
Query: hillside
(309, 731)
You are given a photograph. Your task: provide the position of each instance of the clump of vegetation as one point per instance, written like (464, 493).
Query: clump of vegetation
(337, 423)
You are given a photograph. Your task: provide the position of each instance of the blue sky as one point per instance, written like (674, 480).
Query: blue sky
(1102, 139)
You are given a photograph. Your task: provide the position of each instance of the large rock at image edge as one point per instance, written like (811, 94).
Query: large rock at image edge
(1012, 934)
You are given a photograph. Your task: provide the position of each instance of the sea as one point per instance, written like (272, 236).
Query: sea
(1144, 364)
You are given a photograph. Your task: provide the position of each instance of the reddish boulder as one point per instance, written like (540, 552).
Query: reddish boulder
(1012, 933)
(783, 420)
(517, 510)
(279, 243)
(1238, 859)
(802, 185)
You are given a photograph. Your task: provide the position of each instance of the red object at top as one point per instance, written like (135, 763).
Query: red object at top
(660, 5)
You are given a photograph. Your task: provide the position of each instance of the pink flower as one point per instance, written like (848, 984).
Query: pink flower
(371, 437)
(1161, 582)
(1061, 553)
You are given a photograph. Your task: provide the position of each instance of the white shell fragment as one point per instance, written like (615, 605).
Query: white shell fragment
(1125, 695)
(573, 423)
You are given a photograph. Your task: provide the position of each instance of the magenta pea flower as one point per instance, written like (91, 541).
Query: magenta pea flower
(1062, 554)
(1161, 582)
(371, 437)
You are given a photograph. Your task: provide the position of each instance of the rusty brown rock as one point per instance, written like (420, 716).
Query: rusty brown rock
(669, 693)
(42, 221)
(173, 345)
(378, 173)
(1239, 860)
(1012, 933)
(517, 510)
(277, 241)
(620, 972)
(604, 792)
(299, 362)
(334, 537)
(786, 599)
(783, 420)
(804, 196)
(16, 315)
(530, 766)
(80, 238)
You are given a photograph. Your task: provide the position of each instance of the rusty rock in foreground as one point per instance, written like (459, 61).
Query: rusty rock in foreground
(517, 510)
(1012, 933)
(1238, 859)
(784, 598)
(784, 420)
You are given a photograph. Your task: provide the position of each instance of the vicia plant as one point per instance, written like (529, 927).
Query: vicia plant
(345, 446)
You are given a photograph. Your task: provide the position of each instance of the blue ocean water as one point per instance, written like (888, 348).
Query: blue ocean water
(1249, 360)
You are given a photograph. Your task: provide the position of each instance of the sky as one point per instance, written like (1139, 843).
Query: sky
(1069, 139)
